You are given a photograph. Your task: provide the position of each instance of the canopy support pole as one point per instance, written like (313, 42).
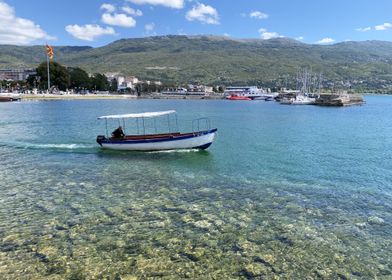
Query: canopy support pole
(144, 128)
(177, 124)
(168, 123)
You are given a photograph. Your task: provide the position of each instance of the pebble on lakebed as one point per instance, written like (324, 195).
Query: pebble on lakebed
(374, 220)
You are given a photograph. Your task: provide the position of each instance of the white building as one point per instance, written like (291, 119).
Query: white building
(16, 74)
(125, 82)
(200, 88)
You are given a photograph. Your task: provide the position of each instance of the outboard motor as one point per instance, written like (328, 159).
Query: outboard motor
(100, 138)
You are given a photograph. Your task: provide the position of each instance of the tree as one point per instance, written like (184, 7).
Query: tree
(99, 82)
(143, 88)
(32, 81)
(59, 76)
(79, 78)
(114, 85)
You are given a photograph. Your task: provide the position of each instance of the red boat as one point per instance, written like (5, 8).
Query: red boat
(237, 97)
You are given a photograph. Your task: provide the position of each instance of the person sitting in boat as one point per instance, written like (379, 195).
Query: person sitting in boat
(118, 132)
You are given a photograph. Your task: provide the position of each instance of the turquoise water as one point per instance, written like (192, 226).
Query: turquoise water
(284, 192)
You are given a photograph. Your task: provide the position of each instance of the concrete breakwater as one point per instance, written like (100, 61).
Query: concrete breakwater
(335, 99)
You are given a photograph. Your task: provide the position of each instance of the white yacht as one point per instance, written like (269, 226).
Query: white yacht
(303, 100)
(300, 99)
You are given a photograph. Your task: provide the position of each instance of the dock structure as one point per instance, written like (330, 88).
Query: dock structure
(339, 99)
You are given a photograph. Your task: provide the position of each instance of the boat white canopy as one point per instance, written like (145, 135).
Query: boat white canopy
(138, 115)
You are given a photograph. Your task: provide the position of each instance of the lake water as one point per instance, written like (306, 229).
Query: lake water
(284, 192)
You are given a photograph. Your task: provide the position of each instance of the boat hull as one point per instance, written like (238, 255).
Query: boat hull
(198, 140)
(303, 102)
(9, 98)
(235, 97)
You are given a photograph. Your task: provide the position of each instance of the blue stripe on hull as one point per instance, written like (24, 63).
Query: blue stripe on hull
(197, 134)
(203, 147)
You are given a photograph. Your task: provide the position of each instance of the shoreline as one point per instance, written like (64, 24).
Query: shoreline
(109, 96)
(74, 96)
(45, 96)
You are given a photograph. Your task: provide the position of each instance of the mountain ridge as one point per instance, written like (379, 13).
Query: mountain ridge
(212, 59)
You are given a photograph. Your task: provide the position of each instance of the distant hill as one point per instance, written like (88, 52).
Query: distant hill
(223, 60)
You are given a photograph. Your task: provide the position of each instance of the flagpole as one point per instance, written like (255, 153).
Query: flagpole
(47, 62)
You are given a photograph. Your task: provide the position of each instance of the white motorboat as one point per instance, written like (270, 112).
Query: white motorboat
(300, 99)
(197, 139)
(303, 100)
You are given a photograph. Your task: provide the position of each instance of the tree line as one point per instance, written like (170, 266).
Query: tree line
(69, 78)
(65, 78)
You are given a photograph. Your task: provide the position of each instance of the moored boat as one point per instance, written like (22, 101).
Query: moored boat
(303, 100)
(250, 92)
(9, 97)
(266, 96)
(238, 97)
(300, 99)
(197, 139)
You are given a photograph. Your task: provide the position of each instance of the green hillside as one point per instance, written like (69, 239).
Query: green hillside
(222, 60)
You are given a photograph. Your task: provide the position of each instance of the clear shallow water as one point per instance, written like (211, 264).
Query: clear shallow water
(285, 192)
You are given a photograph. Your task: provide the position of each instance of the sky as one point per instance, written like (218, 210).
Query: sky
(100, 22)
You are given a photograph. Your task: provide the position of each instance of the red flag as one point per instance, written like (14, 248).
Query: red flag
(49, 51)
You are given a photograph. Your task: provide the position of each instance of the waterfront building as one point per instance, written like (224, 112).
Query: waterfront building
(16, 74)
(123, 81)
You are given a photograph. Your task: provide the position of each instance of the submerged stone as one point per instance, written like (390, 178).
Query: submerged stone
(60, 227)
(254, 270)
(361, 225)
(374, 220)
(204, 224)
(128, 277)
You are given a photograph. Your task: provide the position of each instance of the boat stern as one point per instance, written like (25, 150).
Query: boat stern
(100, 139)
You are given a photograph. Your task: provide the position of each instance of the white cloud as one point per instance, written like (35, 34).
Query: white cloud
(88, 32)
(149, 28)
(325, 41)
(16, 30)
(226, 34)
(132, 12)
(363, 29)
(109, 8)
(258, 15)
(300, 38)
(265, 34)
(203, 13)
(383, 26)
(176, 4)
(118, 20)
